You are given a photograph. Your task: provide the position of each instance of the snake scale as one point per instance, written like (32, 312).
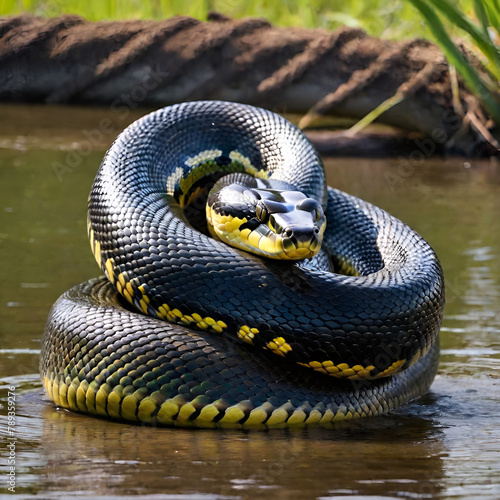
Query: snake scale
(185, 330)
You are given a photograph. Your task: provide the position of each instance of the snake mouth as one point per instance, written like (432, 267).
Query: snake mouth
(300, 243)
(265, 243)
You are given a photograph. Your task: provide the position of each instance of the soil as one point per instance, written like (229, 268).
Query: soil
(345, 73)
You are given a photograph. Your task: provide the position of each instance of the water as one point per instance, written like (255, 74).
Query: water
(446, 445)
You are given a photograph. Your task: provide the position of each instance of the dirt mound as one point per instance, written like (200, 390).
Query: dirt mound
(130, 63)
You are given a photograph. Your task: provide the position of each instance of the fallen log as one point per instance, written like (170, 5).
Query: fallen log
(346, 73)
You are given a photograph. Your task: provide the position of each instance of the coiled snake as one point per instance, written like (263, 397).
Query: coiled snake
(247, 341)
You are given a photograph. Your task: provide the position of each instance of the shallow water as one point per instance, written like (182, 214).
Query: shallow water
(446, 445)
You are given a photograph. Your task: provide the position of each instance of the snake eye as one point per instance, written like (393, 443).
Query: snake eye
(261, 212)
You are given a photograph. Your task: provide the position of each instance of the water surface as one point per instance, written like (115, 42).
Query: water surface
(446, 445)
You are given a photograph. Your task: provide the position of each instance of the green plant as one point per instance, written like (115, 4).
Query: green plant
(484, 85)
(392, 19)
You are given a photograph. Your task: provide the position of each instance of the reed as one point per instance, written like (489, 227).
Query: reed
(484, 84)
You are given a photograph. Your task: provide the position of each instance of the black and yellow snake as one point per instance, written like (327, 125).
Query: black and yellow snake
(247, 341)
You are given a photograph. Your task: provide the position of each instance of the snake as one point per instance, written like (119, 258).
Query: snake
(184, 330)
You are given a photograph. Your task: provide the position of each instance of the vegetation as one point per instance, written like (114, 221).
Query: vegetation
(393, 19)
(483, 35)
(385, 18)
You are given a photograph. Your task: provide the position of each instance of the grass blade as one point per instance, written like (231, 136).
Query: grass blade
(481, 38)
(373, 115)
(482, 16)
(493, 9)
(455, 57)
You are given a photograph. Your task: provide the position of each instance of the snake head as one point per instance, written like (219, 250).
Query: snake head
(266, 220)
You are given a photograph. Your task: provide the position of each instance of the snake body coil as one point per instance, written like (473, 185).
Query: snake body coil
(251, 334)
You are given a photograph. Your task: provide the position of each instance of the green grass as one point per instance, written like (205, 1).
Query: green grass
(393, 19)
(481, 33)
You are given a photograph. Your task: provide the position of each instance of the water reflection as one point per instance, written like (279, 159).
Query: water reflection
(418, 452)
(102, 457)
(446, 445)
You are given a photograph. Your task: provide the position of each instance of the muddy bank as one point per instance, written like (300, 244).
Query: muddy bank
(126, 64)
